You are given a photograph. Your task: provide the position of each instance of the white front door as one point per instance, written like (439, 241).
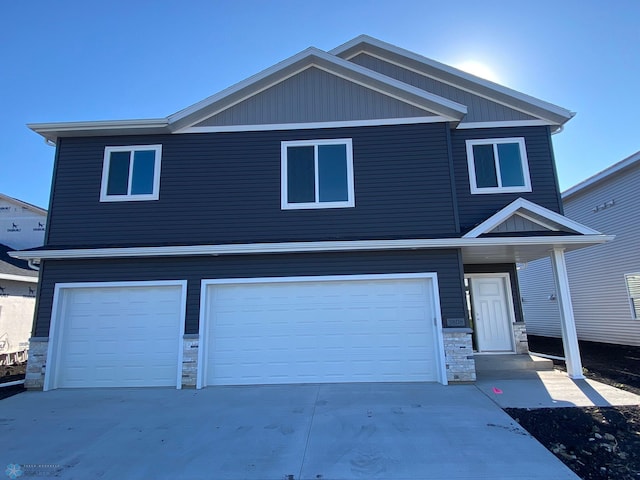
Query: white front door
(493, 312)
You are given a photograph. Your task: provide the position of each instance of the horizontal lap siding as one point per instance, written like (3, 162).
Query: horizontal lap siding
(539, 299)
(474, 209)
(225, 188)
(444, 262)
(596, 274)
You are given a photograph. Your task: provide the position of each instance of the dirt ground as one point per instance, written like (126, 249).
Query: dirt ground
(597, 443)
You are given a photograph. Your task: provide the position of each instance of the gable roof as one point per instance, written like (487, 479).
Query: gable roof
(533, 106)
(20, 203)
(336, 63)
(603, 175)
(208, 107)
(14, 269)
(534, 214)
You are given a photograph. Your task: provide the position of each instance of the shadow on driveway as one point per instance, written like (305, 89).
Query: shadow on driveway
(319, 432)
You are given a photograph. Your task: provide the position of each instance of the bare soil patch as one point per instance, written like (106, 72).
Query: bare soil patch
(597, 443)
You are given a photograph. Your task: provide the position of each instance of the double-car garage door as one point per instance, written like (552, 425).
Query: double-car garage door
(264, 331)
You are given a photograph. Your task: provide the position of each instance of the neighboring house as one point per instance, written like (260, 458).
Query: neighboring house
(313, 223)
(605, 281)
(22, 225)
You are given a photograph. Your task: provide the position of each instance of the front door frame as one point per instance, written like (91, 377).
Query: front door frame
(508, 293)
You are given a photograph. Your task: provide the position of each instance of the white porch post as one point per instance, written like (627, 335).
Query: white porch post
(567, 321)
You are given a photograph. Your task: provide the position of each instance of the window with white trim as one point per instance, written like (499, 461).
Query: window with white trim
(498, 165)
(317, 174)
(633, 289)
(131, 173)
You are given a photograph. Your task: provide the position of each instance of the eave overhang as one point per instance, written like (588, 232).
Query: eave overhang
(54, 130)
(474, 250)
(443, 108)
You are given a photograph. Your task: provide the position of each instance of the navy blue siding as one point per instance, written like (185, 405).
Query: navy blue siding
(225, 188)
(444, 262)
(474, 209)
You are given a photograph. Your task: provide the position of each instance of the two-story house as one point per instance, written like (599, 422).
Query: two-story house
(22, 225)
(316, 222)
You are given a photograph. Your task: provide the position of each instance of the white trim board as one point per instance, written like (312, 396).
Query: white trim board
(301, 247)
(433, 277)
(313, 125)
(504, 124)
(58, 304)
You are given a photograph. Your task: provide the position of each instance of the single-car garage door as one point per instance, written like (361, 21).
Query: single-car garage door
(117, 336)
(313, 331)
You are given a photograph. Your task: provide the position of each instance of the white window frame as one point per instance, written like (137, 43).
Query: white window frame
(129, 197)
(634, 314)
(317, 203)
(499, 189)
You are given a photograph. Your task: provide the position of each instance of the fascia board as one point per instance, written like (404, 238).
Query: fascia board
(455, 77)
(53, 131)
(602, 175)
(307, 58)
(306, 247)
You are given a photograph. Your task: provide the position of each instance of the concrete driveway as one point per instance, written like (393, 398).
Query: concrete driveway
(284, 432)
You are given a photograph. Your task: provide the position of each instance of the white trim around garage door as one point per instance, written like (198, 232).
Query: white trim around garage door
(56, 322)
(437, 316)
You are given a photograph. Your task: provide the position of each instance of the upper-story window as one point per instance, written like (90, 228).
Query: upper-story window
(317, 174)
(633, 289)
(498, 165)
(131, 173)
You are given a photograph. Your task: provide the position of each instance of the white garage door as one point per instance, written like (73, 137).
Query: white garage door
(118, 336)
(320, 331)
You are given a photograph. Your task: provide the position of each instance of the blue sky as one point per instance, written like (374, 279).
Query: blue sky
(69, 60)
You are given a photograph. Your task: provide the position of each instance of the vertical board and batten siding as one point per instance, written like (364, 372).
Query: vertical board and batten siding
(300, 99)
(193, 269)
(473, 209)
(479, 109)
(596, 274)
(218, 188)
(517, 223)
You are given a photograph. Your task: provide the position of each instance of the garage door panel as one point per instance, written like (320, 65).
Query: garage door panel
(119, 336)
(320, 331)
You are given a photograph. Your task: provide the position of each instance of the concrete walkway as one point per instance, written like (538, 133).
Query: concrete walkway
(548, 389)
(319, 432)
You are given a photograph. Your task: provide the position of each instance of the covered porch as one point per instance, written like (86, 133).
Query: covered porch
(518, 234)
